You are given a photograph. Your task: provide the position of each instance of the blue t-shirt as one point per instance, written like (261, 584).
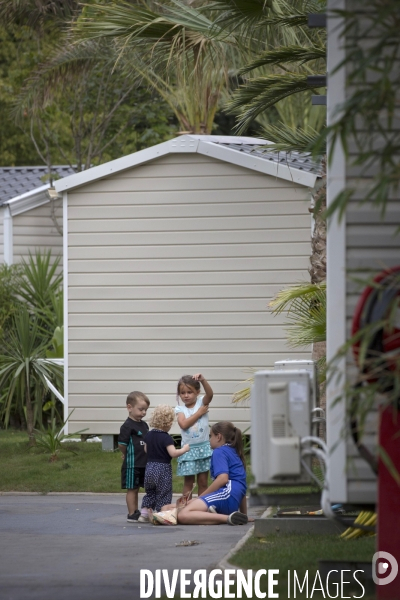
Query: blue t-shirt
(225, 459)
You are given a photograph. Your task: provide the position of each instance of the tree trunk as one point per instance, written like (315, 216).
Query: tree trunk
(317, 269)
(317, 272)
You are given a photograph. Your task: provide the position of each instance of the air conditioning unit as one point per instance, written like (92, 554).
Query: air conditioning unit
(280, 417)
(299, 365)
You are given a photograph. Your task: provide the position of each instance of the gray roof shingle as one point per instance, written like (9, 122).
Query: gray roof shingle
(297, 160)
(15, 181)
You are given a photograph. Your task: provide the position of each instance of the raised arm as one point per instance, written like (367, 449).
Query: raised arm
(208, 393)
(174, 453)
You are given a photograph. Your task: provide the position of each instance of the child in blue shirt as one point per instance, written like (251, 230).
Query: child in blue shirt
(224, 501)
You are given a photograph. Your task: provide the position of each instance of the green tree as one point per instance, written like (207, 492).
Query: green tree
(17, 58)
(101, 113)
(70, 106)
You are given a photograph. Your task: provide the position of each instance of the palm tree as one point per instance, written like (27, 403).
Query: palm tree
(174, 47)
(281, 61)
(192, 53)
(24, 367)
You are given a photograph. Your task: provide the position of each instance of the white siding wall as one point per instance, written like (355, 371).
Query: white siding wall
(370, 246)
(35, 229)
(170, 269)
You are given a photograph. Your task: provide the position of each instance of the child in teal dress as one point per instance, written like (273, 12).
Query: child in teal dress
(192, 418)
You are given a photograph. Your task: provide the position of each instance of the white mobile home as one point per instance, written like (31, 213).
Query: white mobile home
(29, 220)
(171, 255)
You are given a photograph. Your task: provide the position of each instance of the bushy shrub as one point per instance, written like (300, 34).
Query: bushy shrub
(9, 302)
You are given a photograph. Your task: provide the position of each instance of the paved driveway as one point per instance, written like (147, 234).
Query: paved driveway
(80, 547)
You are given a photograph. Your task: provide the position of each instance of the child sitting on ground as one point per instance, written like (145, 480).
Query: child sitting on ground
(224, 501)
(160, 450)
(131, 444)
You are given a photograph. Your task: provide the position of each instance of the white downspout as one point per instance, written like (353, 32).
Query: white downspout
(8, 236)
(65, 290)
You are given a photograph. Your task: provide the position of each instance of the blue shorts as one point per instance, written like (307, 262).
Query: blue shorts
(227, 499)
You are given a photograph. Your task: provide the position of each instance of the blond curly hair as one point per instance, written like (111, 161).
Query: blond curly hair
(163, 416)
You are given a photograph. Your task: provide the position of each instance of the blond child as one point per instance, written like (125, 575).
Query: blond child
(160, 450)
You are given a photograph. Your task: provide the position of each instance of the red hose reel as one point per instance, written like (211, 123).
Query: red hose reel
(373, 306)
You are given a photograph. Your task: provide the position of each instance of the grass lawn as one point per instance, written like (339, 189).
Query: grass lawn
(89, 470)
(289, 552)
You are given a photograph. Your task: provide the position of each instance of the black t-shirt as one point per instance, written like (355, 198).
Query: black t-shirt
(157, 441)
(132, 435)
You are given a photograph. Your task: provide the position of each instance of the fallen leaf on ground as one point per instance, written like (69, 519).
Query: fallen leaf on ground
(188, 543)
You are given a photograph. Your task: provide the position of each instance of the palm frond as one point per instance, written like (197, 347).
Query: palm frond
(260, 93)
(294, 14)
(287, 295)
(286, 54)
(287, 139)
(132, 22)
(243, 395)
(241, 13)
(40, 280)
(306, 312)
(258, 13)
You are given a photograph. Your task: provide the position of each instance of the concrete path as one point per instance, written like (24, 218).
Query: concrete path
(80, 547)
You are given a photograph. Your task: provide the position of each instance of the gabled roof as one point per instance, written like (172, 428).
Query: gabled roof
(241, 151)
(15, 181)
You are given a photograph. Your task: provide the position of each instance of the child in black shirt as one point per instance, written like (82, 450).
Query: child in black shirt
(131, 444)
(160, 450)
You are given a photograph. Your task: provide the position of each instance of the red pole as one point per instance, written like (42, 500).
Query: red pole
(388, 507)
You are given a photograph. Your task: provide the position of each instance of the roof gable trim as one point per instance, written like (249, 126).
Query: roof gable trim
(181, 144)
(256, 163)
(206, 145)
(28, 201)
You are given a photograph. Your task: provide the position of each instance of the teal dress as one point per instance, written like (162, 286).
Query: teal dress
(198, 459)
